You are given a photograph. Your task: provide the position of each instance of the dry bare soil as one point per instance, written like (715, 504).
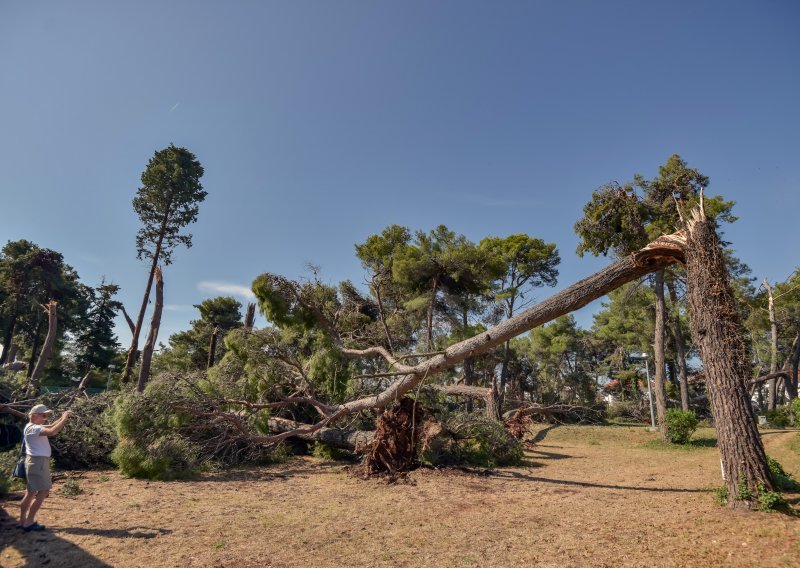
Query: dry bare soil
(587, 496)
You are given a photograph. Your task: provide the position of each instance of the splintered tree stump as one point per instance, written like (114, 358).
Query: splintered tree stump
(392, 451)
(717, 329)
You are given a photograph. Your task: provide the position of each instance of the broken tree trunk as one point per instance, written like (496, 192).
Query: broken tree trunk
(717, 330)
(155, 323)
(128, 319)
(250, 317)
(47, 348)
(336, 437)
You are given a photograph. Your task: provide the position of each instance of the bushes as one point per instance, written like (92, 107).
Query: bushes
(795, 409)
(681, 424)
(783, 481)
(781, 417)
(627, 409)
(149, 443)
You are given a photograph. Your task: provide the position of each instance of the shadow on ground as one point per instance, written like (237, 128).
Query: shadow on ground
(48, 548)
(525, 477)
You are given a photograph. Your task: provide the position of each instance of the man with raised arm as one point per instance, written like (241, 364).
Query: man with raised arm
(37, 463)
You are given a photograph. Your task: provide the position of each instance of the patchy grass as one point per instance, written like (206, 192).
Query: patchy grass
(586, 496)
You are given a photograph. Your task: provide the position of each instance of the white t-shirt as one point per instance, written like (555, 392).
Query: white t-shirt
(35, 443)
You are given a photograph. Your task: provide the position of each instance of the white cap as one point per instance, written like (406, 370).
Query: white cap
(39, 409)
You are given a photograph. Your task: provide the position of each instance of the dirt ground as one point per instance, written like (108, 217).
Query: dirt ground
(587, 496)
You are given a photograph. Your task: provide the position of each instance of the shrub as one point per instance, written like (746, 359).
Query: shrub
(681, 424)
(7, 461)
(623, 409)
(70, 488)
(783, 481)
(780, 417)
(796, 411)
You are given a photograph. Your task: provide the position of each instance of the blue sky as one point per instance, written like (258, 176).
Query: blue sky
(320, 123)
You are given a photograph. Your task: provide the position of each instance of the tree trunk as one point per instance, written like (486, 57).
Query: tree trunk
(717, 330)
(130, 361)
(8, 338)
(250, 317)
(128, 319)
(37, 334)
(47, 348)
(212, 348)
(680, 353)
(336, 437)
(658, 348)
(793, 380)
(12, 352)
(494, 402)
(773, 352)
(150, 345)
(430, 313)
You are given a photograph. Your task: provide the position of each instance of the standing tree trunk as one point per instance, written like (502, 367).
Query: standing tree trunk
(47, 348)
(131, 359)
(150, 345)
(773, 352)
(212, 348)
(717, 330)
(8, 338)
(795, 360)
(680, 353)
(37, 337)
(12, 352)
(658, 348)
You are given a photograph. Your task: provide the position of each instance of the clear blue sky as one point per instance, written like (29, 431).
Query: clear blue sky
(319, 123)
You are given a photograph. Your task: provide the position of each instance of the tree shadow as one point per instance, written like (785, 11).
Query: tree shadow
(42, 548)
(704, 443)
(541, 454)
(132, 532)
(523, 477)
(542, 434)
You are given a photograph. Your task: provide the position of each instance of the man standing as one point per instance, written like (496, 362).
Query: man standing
(37, 463)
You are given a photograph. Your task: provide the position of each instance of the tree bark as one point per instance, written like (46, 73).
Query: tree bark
(773, 352)
(717, 330)
(680, 353)
(150, 345)
(658, 359)
(47, 348)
